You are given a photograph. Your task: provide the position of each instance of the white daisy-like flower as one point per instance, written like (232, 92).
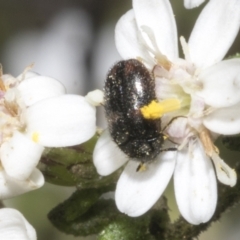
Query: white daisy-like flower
(35, 113)
(13, 226)
(208, 90)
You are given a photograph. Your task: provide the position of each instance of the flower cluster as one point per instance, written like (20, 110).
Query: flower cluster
(208, 90)
(35, 113)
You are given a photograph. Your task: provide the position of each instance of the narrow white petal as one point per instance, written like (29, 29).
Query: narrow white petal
(195, 185)
(214, 32)
(137, 192)
(13, 226)
(11, 187)
(95, 98)
(224, 121)
(221, 84)
(20, 156)
(157, 15)
(107, 157)
(38, 88)
(225, 174)
(192, 3)
(61, 121)
(127, 38)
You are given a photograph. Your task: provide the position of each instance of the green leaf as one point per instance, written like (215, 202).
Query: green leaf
(85, 213)
(74, 167)
(126, 228)
(232, 143)
(70, 216)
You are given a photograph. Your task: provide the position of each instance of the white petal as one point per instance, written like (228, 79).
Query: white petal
(224, 121)
(214, 32)
(13, 226)
(221, 84)
(11, 187)
(137, 192)
(107, 157)
(127, 38)
(158, 16)
(225, 174)
(192, 3)
(20, 155)
(61, 121)
(195, 185)
(95, 98)
(38, 88)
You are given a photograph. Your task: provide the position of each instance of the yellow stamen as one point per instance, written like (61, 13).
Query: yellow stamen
(165, 137)
(141, 167)
(28, 68)
(155, 109)
(2, 86)
(163, 61)
(207, 142)
(35, 137)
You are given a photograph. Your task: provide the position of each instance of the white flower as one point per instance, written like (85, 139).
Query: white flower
(209, 92)
(35, 113)
(13, 226)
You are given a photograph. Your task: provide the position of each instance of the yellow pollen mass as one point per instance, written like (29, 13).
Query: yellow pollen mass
(155, 110)
(35, 137)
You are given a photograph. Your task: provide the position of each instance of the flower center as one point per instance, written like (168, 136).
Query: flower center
(9, 108)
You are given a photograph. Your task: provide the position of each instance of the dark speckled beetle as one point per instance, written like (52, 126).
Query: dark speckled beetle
(128, 87)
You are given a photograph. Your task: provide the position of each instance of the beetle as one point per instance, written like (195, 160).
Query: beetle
(129, 86)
